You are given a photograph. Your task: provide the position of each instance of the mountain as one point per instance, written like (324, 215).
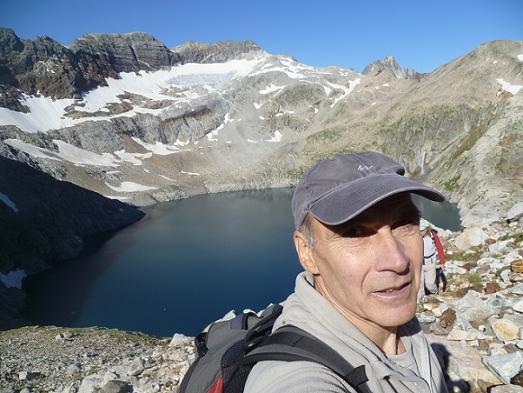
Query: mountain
(389, 64)
(130, 119)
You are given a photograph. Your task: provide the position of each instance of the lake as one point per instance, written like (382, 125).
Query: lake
(185, 264)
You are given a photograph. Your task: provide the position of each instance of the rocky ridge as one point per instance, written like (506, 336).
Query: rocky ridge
(475, 327)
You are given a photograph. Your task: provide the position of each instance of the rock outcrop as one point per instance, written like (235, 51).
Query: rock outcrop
(389, 64)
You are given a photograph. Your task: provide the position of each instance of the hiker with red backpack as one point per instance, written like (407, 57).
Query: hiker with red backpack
(350, 324)
(433, 261)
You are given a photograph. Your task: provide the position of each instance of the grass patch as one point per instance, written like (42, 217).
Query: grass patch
(469, 255)
(475, 281)
(452, 184)
(468, 142)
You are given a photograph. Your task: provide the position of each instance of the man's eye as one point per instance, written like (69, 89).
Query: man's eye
(355, 231)
(405, 225)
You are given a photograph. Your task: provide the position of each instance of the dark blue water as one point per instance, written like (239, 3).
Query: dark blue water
(185, 264)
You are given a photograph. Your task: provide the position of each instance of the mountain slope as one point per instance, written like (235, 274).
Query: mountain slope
(228, 116)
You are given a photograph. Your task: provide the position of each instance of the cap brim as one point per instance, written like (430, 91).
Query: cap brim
(347, 202)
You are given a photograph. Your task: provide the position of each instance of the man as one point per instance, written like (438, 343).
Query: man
(433, 253)
(428, 272)
(357, 238)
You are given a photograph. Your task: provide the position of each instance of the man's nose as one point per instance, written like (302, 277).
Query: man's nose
(390, 251)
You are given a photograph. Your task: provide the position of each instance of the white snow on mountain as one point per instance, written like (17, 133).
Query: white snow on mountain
(83, 157)
(271, 89)
(346, 90)
(520, 57)
(191, 173)
(133, 158)
(276, 138)
(4, 198)
(68, 152)
(514, 89)
(47, 114)
(160, 148)
(32, 150)
(129, 186)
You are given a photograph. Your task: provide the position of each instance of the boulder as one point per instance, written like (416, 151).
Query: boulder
(470, 237)
(515, 212)
(472, 307)
(505, 366)
(506, 389)
(504, 329)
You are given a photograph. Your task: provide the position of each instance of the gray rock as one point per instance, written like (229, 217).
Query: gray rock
(136, 367)
(470, 237)
(506, 389)
(504, 366)
(90, 384)
(472, 307)
(116, 387)
(515, 211)
(178, 339)
(74, 368)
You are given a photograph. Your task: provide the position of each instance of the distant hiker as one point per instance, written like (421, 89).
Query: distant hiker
(357, 238)
(429, 262)
(432, 271)
(440, 274)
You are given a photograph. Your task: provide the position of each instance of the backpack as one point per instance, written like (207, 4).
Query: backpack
(229, 349)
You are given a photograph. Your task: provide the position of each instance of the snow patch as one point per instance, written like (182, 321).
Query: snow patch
(166, 178)
(129, 186)
(82, 157)
(133, 158)
(121, 198)
(271, 89)
(276, 138)
(256, 105)
(251, 141)
(191, 173)
(4, 198)
(346, 90)
(520, 57)
(160, 148)
(13, 279)
(514, 89)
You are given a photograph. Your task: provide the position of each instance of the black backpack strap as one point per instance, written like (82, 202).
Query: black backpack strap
(294, 344)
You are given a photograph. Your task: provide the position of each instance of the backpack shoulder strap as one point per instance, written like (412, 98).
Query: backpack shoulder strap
(293, 344)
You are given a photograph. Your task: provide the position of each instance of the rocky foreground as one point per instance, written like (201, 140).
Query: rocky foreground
(476, 327)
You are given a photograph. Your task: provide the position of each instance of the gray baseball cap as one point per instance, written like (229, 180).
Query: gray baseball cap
(337, 190)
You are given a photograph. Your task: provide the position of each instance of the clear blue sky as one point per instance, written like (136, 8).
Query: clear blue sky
(421, 34)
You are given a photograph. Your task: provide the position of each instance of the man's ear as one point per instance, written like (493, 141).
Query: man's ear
(305, 253)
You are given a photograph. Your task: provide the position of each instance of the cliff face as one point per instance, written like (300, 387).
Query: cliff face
(49, 222)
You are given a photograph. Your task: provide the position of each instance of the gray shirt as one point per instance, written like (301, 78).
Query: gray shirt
(310, 311)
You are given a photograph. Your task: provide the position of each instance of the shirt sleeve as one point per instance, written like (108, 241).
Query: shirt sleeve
(294, 377)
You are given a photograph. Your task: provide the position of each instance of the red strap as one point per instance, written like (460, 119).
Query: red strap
(439, 248)
(217, 387)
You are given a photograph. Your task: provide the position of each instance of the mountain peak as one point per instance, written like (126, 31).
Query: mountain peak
(389, 63)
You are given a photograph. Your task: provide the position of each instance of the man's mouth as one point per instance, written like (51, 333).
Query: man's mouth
(394, 290)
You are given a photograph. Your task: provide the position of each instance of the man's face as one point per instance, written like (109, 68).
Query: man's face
(369, 268)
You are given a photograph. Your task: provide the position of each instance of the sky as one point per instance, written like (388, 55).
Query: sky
(421, 34)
